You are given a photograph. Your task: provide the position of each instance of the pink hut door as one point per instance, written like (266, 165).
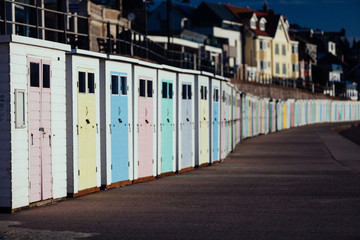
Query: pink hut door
(145, 128)
(40, 160)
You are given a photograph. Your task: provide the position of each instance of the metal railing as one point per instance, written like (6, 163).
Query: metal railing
(75, 30)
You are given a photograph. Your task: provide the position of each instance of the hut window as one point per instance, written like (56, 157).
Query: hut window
(46, 76)
(149, 88)
(34, 75)
(91, 83)
(216, 95)
(170, 90)
(123, 85)
(82, 83)
(189, 91)
(19, 108)
(205, 93)
(114, 85)
(164, 90)
(224, 97)
(184, 87)
(202, 92)
(142, 88)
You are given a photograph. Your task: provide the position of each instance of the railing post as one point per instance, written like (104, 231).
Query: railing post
(4, 23)
(109, 45)
(65, 26)
(37, 22)
(117, 39)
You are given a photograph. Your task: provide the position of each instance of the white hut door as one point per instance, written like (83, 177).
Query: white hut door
(40, 159)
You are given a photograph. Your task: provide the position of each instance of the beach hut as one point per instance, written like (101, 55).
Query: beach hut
(145, 118)
(117, 126)
(32, 122)
(83, 118)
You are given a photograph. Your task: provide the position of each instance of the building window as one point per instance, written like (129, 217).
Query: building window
(295, 67)
(277, 68)
(253, 23)
(263, 65)
(294, 49)
(283, 50)
(263, 45)
(284, 68)
(276, 49)
(279, 27)
(262, 25)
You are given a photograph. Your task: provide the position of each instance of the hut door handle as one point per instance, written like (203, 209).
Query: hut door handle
(32, 139)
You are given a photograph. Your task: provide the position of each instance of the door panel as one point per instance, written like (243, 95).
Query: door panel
(204, 133)
(215, 125)
(87, 129)
(145, 132)
(166, 127)
(186, 126)
(119, 128)
(40, 160)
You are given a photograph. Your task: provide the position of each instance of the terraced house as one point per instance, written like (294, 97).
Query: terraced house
(269, 52)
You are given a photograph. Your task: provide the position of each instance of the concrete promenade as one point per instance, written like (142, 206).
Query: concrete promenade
(302, 183)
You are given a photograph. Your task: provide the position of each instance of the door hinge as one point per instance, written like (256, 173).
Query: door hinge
(153, 161)
(78, 172)
(96, 169)
(110, 86)
(138, 163)
(128, 164)
(77, 84)
(161, 160)
(111, 166)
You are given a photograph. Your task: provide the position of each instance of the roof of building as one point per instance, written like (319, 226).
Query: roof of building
(221, 11)
(244, 15)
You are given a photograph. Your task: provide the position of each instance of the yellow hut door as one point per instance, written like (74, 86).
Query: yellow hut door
(87, 129)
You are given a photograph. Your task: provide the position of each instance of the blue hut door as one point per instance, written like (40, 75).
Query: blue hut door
(186, 118)
(166, 127)
(119, 128)
(216, 124)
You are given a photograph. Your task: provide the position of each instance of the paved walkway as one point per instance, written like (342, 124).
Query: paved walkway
(301, 183)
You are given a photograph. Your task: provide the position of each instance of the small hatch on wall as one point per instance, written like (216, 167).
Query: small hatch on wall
(20, 108)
